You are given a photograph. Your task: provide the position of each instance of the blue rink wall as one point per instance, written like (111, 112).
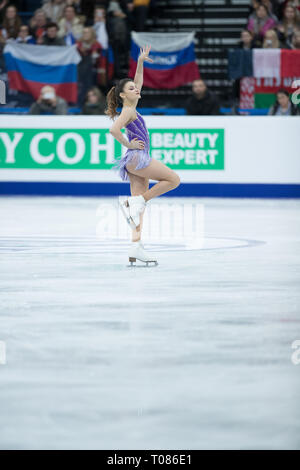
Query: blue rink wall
(215, 156)
(184, 190)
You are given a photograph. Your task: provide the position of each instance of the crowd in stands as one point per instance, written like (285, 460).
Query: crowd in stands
(272, 24)
(93, 26)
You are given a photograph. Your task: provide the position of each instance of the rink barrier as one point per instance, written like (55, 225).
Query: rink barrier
(248, 190)
(213, 156)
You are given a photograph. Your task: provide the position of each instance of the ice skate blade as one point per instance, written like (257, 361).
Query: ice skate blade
(147, 264)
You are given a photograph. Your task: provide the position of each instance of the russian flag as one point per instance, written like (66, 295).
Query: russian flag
(30, 67)
(174, 59)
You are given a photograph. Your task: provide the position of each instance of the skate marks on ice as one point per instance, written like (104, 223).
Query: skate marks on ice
(92, 245)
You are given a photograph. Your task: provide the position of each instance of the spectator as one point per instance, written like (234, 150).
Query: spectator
(50, 37)
(283, 105)
(78, 10)
(246, 43)
(76, 4)
(24, 37)
(288, 25)
(48, 102)
(11, 23)
(100, 26)
(88, 69)
(270, 8)
(70, 26)
(271, 40)
(141, 8)
(54, 9)
(203, 102)
(296, 40)
(128, 8)
(246, 40)
(293, 3)
(95, 102)
(2, 43)
(88, 44)
(277, 8)
(259, 23)
(118, 35)
(130, 14)
(254, 5)
(3, 4)
(38, 25)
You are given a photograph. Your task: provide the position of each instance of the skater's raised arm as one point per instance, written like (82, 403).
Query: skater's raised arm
(138, 78)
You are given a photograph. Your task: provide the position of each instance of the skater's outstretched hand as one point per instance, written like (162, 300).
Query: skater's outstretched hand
(136, 144)
(144, 52)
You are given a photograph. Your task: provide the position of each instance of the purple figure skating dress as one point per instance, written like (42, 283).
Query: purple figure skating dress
(140, 157)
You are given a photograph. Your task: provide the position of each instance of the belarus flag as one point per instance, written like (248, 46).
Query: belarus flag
(30, 67)
(174, 59)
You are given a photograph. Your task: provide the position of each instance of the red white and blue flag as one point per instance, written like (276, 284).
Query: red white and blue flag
(174, 59)
(30, 67)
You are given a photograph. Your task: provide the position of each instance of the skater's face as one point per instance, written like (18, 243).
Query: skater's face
(130, 92)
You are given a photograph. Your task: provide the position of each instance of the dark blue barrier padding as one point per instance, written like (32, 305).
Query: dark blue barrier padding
(184, 189)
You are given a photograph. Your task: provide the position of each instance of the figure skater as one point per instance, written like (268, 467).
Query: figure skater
(136, 165)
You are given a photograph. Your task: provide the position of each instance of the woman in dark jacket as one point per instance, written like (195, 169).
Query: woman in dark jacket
(283, 105)
(94, 102)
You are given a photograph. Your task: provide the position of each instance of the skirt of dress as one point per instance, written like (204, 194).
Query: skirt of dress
(140, 158)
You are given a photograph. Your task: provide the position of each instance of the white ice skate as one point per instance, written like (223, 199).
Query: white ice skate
(131, 208)
(137, 251)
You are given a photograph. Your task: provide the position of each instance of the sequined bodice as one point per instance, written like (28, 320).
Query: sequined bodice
(138, 129)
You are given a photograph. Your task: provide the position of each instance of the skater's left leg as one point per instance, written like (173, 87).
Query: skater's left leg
(156, 170)
(138, 185)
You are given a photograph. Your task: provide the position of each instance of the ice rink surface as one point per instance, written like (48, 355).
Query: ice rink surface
(195, 353)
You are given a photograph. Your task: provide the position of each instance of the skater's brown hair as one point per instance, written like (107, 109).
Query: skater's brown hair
(113, 98)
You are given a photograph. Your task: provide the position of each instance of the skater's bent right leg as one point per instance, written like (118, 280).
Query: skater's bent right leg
(156, 170)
